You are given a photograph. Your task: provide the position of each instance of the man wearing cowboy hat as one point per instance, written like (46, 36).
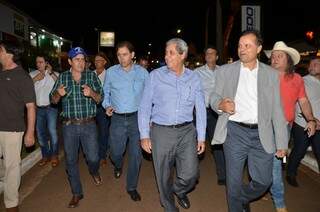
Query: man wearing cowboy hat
(283, 59)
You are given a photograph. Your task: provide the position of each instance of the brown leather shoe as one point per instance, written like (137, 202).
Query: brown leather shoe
(75, 201)
(54, 161)
(97, 180)
(103, 162)
(13, 209)
(43, 161)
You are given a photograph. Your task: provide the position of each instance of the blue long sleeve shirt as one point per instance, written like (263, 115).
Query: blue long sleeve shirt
(123, 89)
(169, 100)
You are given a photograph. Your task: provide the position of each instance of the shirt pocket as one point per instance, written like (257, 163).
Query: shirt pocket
(138, 85)
(187, 93)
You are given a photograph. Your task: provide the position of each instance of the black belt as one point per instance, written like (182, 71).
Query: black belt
(246, 125)
(176, 125)
(77, 121)
(46, 106)
(126, 114)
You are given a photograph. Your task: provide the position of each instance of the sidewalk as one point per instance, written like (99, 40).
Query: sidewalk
(47, 190)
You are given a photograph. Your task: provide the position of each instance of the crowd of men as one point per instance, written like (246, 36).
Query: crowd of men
(245, 111)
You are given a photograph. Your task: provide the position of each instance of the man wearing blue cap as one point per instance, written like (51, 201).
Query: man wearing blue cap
(79, 91)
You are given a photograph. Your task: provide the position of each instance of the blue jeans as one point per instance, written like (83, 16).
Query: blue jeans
(123, 129)
(103, 122)
(277, 187)
(47, 123)
(73, 136)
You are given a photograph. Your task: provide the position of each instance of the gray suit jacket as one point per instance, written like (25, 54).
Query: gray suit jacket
(273, 131)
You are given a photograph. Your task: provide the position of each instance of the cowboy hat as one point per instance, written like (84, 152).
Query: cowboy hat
(281, 46)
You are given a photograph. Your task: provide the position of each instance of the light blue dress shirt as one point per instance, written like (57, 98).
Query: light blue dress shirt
(123, 89)
(169, 99)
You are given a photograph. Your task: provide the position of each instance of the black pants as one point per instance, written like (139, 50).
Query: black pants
(301, 143)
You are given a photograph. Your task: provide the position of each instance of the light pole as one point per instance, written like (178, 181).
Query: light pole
(98, 40)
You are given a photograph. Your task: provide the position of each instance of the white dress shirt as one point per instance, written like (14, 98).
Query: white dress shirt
(207, 77)
(101, 76)
(246, 99)
(43, 87)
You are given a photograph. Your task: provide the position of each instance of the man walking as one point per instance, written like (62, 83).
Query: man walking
(16, 93)
(80, 91)
(123, 88)
(44, 78)
(251, 122)
(165, 122)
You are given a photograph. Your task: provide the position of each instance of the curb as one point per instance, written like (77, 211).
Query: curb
(27, 163)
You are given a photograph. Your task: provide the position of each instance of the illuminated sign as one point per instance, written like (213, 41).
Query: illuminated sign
(107, 39)
(250, 17)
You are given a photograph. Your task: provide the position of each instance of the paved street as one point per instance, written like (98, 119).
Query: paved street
(47, 190)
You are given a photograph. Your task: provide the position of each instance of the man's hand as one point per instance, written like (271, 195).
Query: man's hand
(146, 145)
(38, 77)
(201, 147)
(318, 124)
(109, 111)
(227, 105)
(62, 90)
(281, 153)
(87, 91)
(29, 139)
(311, 128)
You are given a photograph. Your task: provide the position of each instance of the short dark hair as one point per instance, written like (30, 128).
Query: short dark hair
(125, 44)
(103, 55)
(210, 46)
(13, 47)
(254, 32)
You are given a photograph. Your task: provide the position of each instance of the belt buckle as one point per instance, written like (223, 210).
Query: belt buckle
(67, 123)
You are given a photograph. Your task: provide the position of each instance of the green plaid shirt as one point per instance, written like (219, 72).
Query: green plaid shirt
(74, 103)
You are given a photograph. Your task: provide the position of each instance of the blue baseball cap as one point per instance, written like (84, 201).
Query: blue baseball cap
(75, 51)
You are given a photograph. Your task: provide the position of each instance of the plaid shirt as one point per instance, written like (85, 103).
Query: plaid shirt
(74, 103)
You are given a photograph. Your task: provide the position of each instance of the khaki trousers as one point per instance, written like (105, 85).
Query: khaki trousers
(10, 149)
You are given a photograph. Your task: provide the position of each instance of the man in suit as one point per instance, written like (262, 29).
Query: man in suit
(251, 122)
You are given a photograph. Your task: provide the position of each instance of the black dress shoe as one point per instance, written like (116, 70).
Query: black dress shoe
(183, 201)
(135, 196)
(117, 172)
(75, 201)
(221, 182)
(246, 207)
(292, 181)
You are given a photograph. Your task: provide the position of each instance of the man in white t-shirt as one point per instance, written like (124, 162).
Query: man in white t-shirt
(46, 122)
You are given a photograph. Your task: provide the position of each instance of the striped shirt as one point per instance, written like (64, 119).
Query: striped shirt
(74, 103)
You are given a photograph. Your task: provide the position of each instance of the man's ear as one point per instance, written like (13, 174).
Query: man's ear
(132, 55)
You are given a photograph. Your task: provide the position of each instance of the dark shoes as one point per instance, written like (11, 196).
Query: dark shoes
(75, 201)
(54, 161)
(13, 209)
(292, 181)
(97, 180)
(221, 182)
(117, 172)
(135, 196)
(43, 161)
(246, 207)
(183, 201)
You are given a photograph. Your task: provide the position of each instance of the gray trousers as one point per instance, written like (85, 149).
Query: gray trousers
(174, 147)
(243, 144)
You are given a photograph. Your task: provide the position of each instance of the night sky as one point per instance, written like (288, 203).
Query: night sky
(157, 21)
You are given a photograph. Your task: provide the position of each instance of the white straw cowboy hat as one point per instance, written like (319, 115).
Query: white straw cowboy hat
(281, 46)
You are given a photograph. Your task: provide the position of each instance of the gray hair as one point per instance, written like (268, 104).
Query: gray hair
(181, 45)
